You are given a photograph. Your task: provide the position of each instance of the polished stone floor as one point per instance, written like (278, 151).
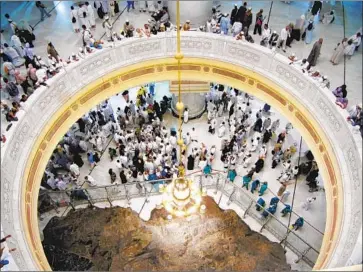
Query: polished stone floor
(314, 218)
(58, 30)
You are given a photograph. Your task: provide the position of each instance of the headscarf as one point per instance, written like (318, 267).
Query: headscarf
(19, 77)
(24, 25)
(32, 72)
(28, 51)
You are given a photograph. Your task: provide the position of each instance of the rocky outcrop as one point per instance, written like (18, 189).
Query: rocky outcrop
(117, 239)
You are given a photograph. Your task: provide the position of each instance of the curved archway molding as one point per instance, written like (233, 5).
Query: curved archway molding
(258, 72)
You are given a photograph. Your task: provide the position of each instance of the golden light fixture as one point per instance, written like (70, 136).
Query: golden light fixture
(181, 197)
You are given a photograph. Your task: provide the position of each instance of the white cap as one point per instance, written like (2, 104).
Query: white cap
(225, 14)
(293, 54)
(106, 17)
(188, 21)
(249, 8)
(235, 5)
(274, 31)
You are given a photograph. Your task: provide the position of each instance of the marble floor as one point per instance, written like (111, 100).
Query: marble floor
(58, 30)
(314, 218)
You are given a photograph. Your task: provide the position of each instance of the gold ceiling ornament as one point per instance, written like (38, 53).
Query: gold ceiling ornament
(181, 197)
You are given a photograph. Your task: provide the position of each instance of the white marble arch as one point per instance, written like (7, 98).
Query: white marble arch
(46, 101)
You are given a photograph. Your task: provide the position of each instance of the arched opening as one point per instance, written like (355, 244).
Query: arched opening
(192, 69)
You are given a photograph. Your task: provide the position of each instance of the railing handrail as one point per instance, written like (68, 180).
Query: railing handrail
(343, 112)
(216, 173)
(342, 143)
(272, 215)
(115, 185)
(322, 233)
(107, 186)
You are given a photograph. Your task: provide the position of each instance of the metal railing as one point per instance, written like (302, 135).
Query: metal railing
(306, 248)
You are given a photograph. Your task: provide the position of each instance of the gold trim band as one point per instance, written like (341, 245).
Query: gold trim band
(193, 69)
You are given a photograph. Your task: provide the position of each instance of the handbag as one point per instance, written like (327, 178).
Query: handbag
(303, 35)
(84, 42)
(117, 8)
(74, 20)
(259, 21)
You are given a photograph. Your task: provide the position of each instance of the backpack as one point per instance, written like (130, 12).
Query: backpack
(12, 89)
(100, 12)
(310, 26)
(259, 20)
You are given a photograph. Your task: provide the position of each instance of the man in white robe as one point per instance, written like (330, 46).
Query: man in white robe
(74, 169)
(99, 144)
(16, 43)
(90, 180)
(15, 58)
(221, 130)
(186, 116)
(91, 15)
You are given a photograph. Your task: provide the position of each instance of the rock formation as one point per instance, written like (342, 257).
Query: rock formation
(117, 239)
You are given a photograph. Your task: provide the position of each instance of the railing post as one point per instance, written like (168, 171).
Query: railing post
(145, 201)
(89, 198)
(220, 198)
(285, 237)
(217, 184)
(70, 202)
(201, 182)
(302, 255)
(246, 211)
(264, 224)
(127, 196)
(230, 197)
(148, 193)
(54, 205)
(108, 199)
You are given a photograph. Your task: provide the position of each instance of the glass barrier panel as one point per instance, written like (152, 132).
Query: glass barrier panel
(97, 194)
(227, 188)
(241, 197)
(255, 214)
(276, 228)
(60, 198)
(296, 243)
(117, 192)
(311, 256)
